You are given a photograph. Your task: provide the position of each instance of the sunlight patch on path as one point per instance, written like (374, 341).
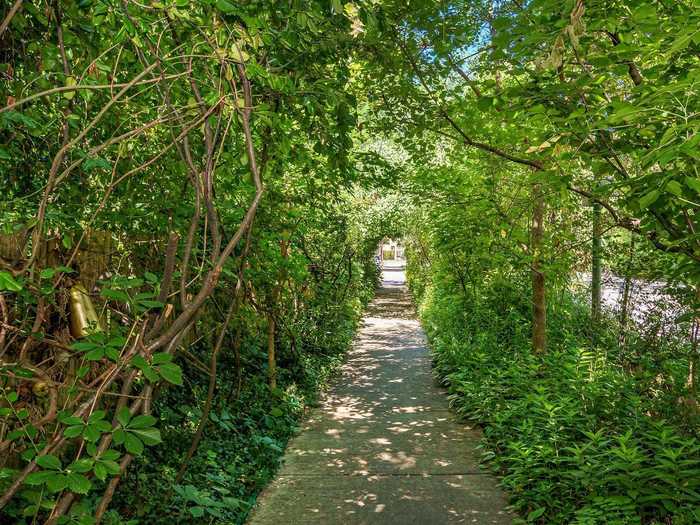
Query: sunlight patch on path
(383, 447)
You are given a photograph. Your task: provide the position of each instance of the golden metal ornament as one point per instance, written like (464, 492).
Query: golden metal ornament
(83, 317)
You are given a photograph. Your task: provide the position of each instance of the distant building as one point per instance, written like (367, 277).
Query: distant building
(390, 250)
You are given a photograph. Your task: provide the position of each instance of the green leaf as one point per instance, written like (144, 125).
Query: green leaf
(110, 454)
(148, 303)
(132, 444)
(84, 346)
(95, 355)
(57, 482)
(532, 516)
(225, 7)
(150, 436)
(47, 273)
(97, 415)
(161, 357)
(78, 483)
(674, 187)
(74, 431)
(693, 183)
(116, 295)
(139, 362)
(7, 282)
(49, 461)
(142, 421)
(70, 420)
(100, 471)
(92, 433)
(123, 416)
(81, 465)
(70, 81)
(119, 436)
(111, 466)
(337, 6)
(96, 163)
(649, 199)
(151, 374)
(39, 478)
(171, 372)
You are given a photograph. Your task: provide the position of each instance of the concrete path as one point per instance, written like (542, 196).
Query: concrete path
(383, 448)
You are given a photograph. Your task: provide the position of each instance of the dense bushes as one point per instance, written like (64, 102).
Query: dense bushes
(178, 258)
(248, 428)
(576, 437)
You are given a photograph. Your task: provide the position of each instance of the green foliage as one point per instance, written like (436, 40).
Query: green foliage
(176, 157)
(576, 438)
(248, 429)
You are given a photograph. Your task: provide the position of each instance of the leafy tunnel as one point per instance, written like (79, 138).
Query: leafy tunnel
(194, 193)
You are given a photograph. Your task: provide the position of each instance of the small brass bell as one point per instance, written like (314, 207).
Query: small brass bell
(83, 317)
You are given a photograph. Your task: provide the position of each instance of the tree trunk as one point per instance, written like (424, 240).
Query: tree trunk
(539, 309)
(626, 294)
(271, 324)
(271, 359)
(692, 382)
(596, 273)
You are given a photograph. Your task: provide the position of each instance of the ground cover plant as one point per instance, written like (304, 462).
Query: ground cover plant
(193, 194)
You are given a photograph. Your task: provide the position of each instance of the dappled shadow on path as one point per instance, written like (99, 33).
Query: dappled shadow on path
(382, 447)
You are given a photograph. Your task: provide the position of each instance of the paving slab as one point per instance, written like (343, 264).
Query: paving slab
(382, 447)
